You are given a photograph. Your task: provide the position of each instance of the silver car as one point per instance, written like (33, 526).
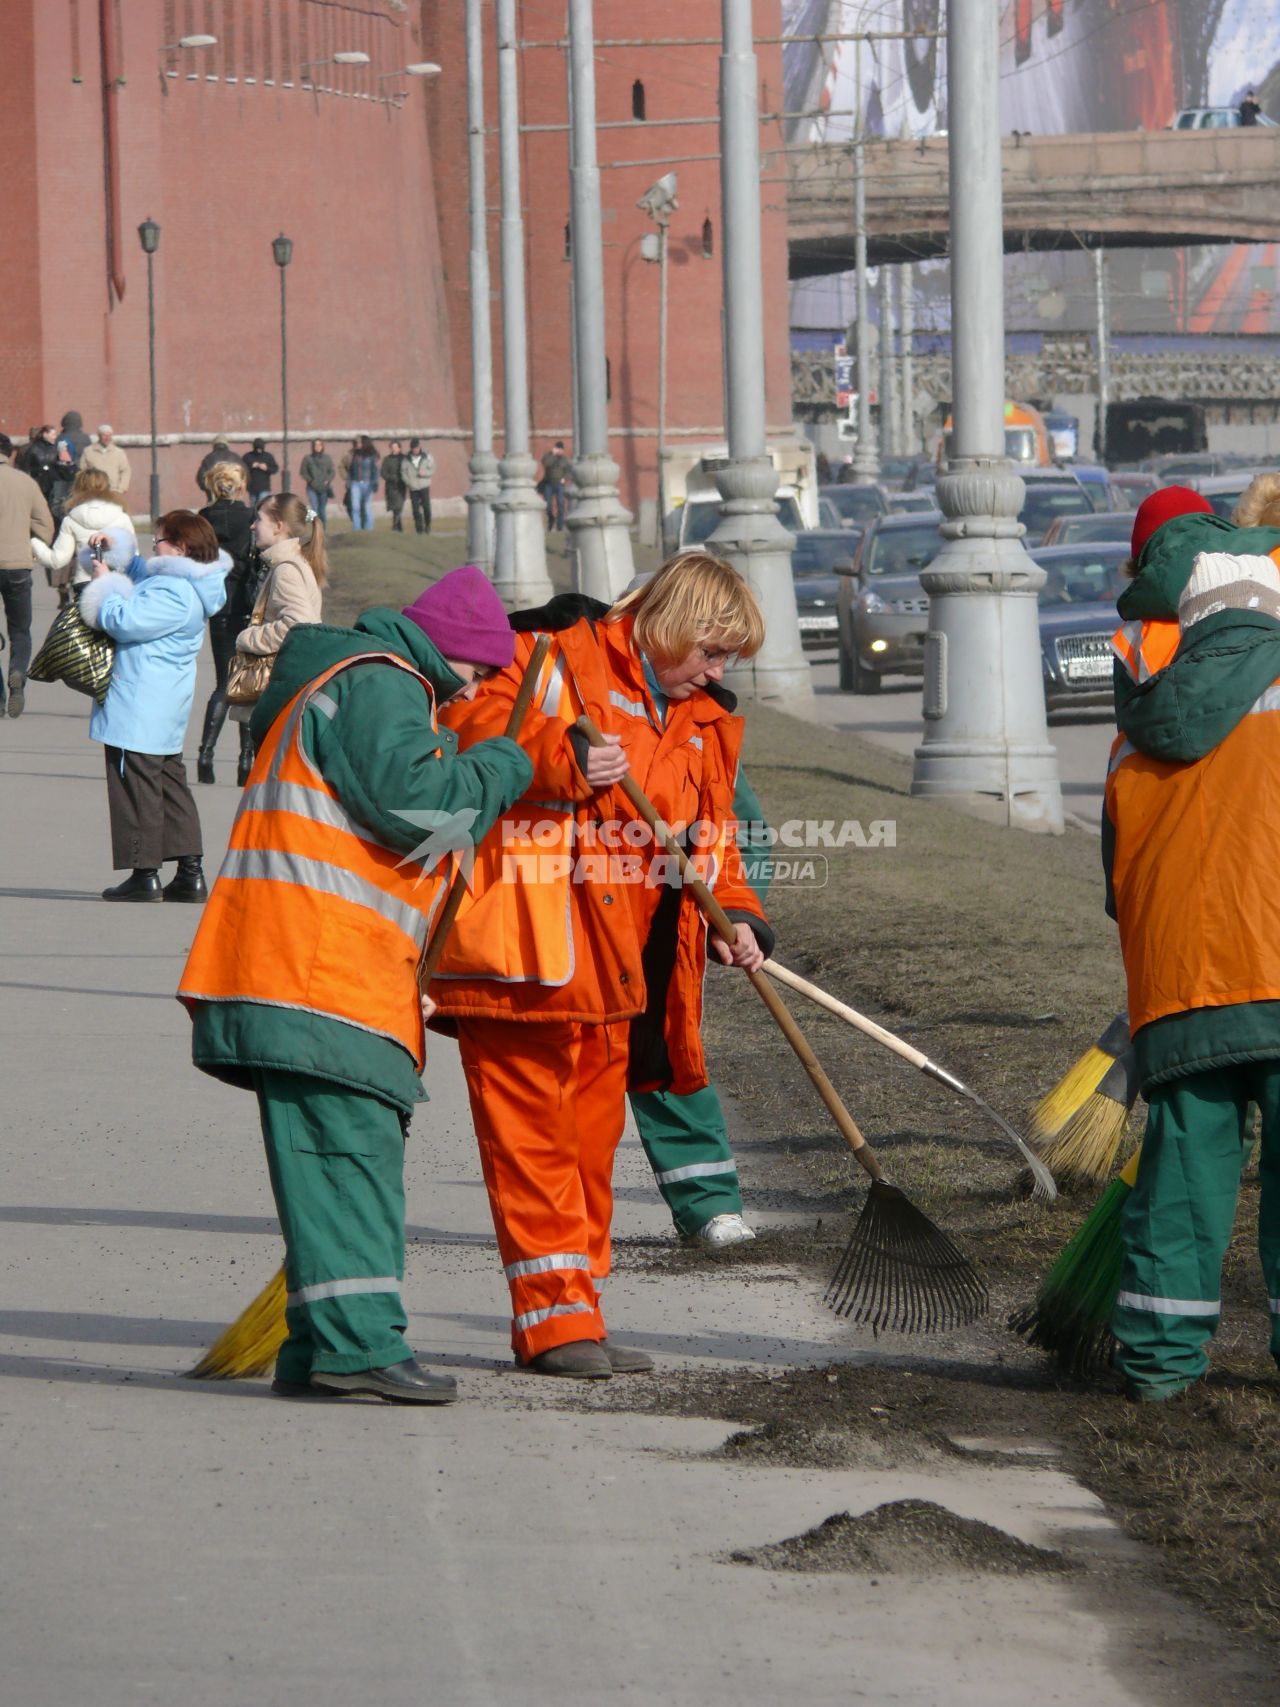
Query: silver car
(882, 608)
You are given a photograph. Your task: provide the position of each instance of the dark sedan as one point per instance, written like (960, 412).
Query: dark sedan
(1077, 620)
(816, 561)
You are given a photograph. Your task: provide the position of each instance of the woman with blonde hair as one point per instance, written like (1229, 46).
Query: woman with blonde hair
(91, 508)
(289, 537)
(230, 516)
(1259, 505)
(577, 951)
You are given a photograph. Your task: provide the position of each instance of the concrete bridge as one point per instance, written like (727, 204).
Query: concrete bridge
(1131, 189)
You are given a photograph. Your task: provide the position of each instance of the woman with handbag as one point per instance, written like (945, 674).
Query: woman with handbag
(290, 541)
(155, 610)
(231, 518)
(90, 508)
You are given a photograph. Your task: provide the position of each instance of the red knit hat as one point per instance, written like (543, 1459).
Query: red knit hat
(1162, 507)
(464, 618)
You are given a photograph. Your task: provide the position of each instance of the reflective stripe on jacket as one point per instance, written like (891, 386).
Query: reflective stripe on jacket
(1199, 913)
(310, 911)
(1145, 648)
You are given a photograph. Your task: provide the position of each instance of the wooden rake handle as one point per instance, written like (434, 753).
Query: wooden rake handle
(723, 926)
(458, 887)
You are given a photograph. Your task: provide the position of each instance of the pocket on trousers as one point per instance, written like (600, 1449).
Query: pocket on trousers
(323, 1126)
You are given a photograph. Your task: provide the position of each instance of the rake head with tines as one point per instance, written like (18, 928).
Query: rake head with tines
(900, 1272)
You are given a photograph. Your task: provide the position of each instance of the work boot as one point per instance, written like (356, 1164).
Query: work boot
(406, 1383)
(17, 693)
(187, 883)
(721, 1232)
(580, 1360)
(142, 885)
(626, 1360)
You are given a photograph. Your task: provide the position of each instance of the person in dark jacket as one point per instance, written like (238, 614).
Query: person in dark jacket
(73, 435)
(393, 484)
(62, 478)
(364, 483)
(231, 518)
(39, 457)
(263, 469)
(221, 452)
(318, 475)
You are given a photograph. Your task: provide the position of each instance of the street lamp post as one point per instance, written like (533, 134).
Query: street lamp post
(282, 249)
(986, 741)
(660, 202)
(907, 333)
(149, 237)
(1104, 350)
(749, 534)
(519, 544)
(866, 464)
(888, 402)
(598, 524)
(483, 464)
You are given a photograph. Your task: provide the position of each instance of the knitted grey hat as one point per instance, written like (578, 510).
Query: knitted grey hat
(1220, 581)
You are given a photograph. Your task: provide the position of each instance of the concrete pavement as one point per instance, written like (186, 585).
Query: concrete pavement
(207, 1544)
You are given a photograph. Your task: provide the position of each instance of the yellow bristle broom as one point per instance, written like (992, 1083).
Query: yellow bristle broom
(1079, 1127)
(249, 1345)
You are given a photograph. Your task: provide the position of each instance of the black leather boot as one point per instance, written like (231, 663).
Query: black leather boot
(187, 883)
(247, 756)
(215, 716)
(142, 885)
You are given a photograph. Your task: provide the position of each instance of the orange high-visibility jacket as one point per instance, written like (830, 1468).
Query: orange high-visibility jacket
(559, 911)
(310, 911)
(1145, 648)
(1198, 913)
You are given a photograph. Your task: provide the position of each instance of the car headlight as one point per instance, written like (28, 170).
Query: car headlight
(872, 603)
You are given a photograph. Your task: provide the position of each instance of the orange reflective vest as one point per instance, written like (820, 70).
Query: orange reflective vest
(1145, 648)
(309, 910)
(1196, 903)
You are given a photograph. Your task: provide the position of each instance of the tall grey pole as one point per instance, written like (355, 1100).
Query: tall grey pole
(663, 224)
(1104, 350)
(907, 330)
(749, 534)
(888, 398)
(483, 464)
(598, 524)
(986, 742)
(866, 464)
(151, 358)
(519, 545)
(284, 385)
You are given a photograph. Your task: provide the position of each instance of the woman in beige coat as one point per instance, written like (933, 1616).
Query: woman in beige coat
(290, 541)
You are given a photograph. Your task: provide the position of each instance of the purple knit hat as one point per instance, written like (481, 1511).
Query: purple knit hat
(464, 618)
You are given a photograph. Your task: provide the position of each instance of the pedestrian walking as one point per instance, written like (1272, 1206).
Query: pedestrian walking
(393, 486)
(155, 610)
(108, 456)
(91, 509)
(219, 451)
(344, 469)
(318, 475)
(556, 470)
(62, 478)
(262, 467)
(302, 981)
(72, 434)
(230, 516)
(417, 471)
(24, 517)
(38, 459)
(290, 540)
(364, 483)
(563, 970)
(1191, 835)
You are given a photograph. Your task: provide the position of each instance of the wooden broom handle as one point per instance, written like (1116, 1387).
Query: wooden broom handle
(860, 1022)
(721, 923)
(458, 888)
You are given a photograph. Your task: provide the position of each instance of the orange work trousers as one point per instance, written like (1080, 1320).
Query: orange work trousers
(548, 1102)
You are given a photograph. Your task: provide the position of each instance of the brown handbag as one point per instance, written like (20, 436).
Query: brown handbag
(250, 672)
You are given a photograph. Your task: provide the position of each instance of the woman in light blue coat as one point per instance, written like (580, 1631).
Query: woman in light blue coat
(155, 609)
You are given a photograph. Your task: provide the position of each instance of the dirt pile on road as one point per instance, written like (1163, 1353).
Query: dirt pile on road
(908, 1537)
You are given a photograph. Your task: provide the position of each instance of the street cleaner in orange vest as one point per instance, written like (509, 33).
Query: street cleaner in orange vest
(1192, 845)
(302, 981)
(577, 952)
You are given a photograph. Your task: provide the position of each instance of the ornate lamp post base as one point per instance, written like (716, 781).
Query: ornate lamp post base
(751, 537)
(481, 497)
(520, 539)
(599, 531)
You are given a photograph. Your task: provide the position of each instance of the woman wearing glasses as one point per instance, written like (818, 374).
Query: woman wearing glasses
(578, 950)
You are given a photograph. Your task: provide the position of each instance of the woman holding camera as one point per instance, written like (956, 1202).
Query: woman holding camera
(155, 610)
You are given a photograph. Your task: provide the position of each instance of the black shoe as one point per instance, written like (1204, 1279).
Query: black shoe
(406, 1383)
(204, 766)
(188, 882)
(243, 766)
(296, 1390)
(17, 694)
(142, 885)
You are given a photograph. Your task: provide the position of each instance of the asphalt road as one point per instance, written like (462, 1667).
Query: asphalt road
(208, 1544)
(892, 718)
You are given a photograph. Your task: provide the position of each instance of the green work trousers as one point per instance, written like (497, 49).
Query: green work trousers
(1178, 1219)
(687, 1145)
(337, 1171)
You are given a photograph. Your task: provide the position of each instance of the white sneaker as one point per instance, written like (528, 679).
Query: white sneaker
(722, 1231)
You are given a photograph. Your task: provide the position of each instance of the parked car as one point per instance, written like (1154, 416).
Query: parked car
(856, 505)
(1050, 493)
(1077, 620)
(1113, 526)
(883, 609)
(1215, 118)
(820, 556)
